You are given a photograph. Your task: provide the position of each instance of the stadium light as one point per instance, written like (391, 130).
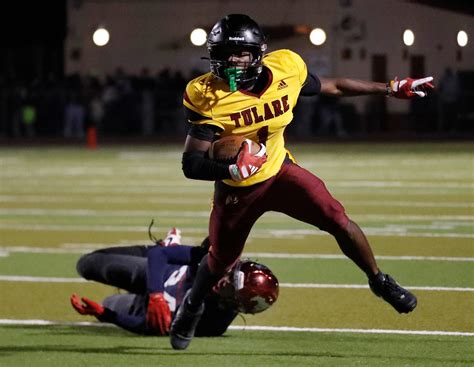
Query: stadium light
(408, 37)
(101, 37)
(317, 36)
(462, 38)
(198, 37)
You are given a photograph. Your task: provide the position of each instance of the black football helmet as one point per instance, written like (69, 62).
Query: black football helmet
(256, 287)
(232, 35)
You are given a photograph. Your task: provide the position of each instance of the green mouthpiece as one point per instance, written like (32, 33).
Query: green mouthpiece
(232, 74)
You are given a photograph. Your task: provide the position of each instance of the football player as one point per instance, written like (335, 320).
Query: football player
(158, 277)
(252, 94)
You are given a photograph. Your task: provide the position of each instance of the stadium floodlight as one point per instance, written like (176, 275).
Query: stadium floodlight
(462, 38)
(101, 37)
(408, 37)
(198, 37)
(317, 36)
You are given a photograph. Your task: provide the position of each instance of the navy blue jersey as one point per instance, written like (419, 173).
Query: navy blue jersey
(170, 270)
(179, 278)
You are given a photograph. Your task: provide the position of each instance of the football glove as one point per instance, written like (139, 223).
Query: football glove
(85, 306)
(173, 238)
(247, 164)
(410, 88)
(158, 314)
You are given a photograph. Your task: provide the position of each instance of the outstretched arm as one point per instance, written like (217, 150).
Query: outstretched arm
(404, 88)
(351, 87)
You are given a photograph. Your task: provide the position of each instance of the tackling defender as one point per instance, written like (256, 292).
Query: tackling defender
(249, 94)
(158, 278)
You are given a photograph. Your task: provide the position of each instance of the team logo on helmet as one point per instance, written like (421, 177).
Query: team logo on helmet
(256, 287)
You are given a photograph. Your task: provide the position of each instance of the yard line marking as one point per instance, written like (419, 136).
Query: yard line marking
(83, 248)
(46, 250)
(108, 213)
(167, 200)
(254, 328)
(48, 322)
(87, 177)
(205, 213)
(397, 184)
(362, 286)
(270, 255)
(101, 199)
(357, 331)
(21, 278)
(257, 233)
(416, 204)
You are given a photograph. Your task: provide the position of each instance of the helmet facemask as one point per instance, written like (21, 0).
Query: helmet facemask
(231, 38)
(236, 73)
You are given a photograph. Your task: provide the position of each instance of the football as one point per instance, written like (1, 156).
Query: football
(227, 149)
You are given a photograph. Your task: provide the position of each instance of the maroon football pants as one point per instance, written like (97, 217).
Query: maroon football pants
(293, 191)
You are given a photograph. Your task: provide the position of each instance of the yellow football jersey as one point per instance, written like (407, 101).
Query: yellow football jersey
(261, 118)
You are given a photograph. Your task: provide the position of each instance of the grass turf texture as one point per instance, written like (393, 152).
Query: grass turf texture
(411, 199)
(79, 346)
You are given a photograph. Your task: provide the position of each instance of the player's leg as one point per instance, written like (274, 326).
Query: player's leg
(122, 267)
(233, 215)
(305, 197)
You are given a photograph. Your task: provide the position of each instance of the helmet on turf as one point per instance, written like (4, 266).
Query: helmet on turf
(256, 287)
(233, 35)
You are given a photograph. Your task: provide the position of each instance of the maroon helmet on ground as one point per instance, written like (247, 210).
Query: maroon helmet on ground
(256, 287)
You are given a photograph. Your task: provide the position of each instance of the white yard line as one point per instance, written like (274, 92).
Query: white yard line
(393, 231)
(108, 199)
(108, 213)
(270, 255)
(157, 199)
(205, 213)
(254, 328)
(78, 248)
(357, 331)
(362, 286)
(31, 279)
(21, 278)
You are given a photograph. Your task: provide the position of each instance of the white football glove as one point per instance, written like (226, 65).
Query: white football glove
(247, 164)
(410, 88)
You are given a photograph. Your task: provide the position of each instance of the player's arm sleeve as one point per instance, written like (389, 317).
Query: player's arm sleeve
(312, 86)
(196, 164)
(159, 257)
(134, 324)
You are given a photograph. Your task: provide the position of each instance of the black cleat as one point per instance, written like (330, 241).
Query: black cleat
(383, 285)
(184, 324)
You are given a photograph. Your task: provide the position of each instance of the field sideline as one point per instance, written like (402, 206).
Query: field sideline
(414, 201)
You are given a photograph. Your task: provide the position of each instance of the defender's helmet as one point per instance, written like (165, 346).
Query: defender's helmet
(232, 35)
(256, 287)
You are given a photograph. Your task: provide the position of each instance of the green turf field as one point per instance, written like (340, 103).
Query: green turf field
(414, 201)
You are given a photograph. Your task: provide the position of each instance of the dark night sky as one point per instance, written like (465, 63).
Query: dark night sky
(32, 22)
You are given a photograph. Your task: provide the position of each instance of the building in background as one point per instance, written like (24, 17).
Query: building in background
(132, 57)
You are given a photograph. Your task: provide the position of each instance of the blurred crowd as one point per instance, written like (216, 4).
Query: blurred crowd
(120, 104)
(151, 105)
